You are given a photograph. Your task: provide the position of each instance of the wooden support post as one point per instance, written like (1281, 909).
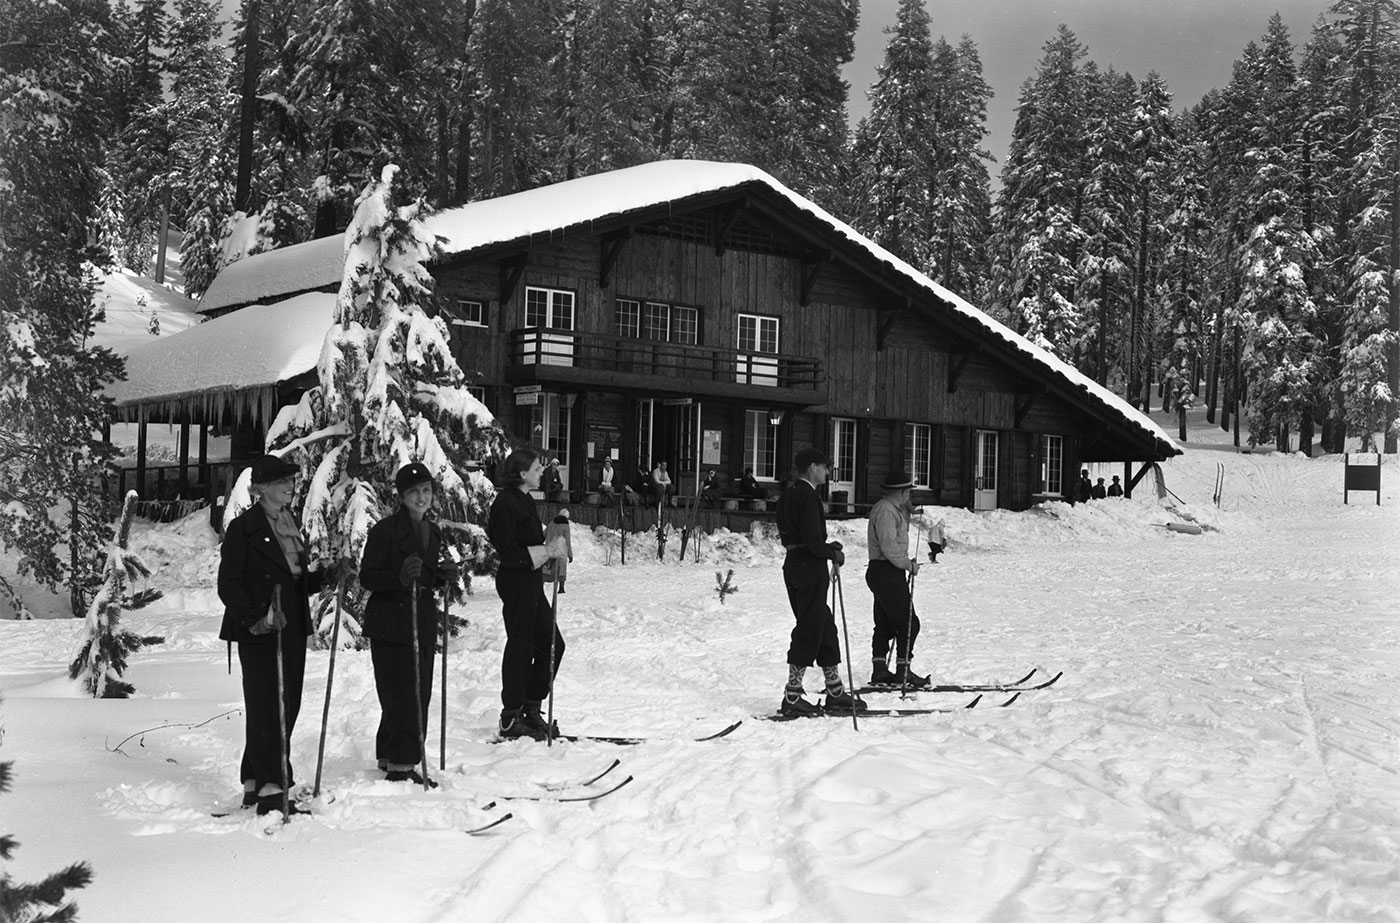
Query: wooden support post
(184, 478)
(204, 477)
(141, 459)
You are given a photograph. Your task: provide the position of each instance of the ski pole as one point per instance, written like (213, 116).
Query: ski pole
(850, 677)
(282, 713)
(908, 644)
(553, 633)
(418, 686)
(442, 743)
(330, 679)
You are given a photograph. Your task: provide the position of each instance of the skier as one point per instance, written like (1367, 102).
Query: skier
(264, 582)
(1115, 489)
(515, 530)
(895, 620)
(559, 528)
(403, 554)
(802, 527)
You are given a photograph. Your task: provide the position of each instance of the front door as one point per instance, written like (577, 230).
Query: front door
(984, 493)
(842, 493)
(679, 438)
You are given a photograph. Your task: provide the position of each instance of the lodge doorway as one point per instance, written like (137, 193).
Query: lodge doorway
(984, 494)
(842, 492)
(668, 430)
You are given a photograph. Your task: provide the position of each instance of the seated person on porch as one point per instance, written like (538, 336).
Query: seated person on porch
(749, 488)
(710, 489)
(660, 483)
(605, 481)
(551, 484)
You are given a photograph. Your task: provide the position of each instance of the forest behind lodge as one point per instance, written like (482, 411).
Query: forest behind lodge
(1240, 251)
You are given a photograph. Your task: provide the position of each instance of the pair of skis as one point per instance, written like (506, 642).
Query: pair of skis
(557, 792)
(1019, 685)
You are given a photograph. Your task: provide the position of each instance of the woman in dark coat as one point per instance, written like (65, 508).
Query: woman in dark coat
(516, 532)
(403, 553)
(264, 582)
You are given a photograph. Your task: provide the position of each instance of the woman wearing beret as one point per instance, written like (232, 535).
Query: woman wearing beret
(404, 554)
(264, 583)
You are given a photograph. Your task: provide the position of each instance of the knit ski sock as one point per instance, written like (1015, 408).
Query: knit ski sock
(832, 675)
(793, 689)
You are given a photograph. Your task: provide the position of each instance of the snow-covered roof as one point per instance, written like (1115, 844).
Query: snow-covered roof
(234, 361)
(580, 202)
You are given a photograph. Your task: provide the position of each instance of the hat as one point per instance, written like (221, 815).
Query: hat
(411, 474)
(809, 457)
(897, 480)
(269, 468)
(564, 513)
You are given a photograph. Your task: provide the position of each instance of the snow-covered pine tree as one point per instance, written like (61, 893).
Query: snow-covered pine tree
(1153, 152)
(53, 107)
(1184, 272)
(43, 901)
(389, 392)
(99, 658)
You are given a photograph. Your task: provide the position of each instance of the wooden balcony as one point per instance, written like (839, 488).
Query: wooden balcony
(548, 356)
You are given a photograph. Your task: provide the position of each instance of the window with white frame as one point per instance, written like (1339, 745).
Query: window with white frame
(628, 316)
(685, 325)
(918, 453)
(469, 313)
(552, 308)
(757, 339)
(760, 445)
(646, 417)
(1052, 465)
(656, 322)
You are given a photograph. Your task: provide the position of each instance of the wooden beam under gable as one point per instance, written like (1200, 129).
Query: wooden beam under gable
(611, 249)
(955, 370)
(812, 263)
(512, 269)
(1023, 405)
(725, 219)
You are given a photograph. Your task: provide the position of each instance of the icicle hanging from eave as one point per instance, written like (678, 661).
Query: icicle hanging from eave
(215, 407)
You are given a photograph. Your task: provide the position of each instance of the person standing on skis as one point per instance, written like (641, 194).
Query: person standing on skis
(888, 541)
(517, 534)
(802, 527)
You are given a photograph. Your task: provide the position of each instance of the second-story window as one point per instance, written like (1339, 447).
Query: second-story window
(552, 308)
(757, 342)
(685, 325)
(628, 314)
(657, 321)
(469, 313)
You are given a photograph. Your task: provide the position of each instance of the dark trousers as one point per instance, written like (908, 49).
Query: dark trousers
(397, 741)
(262, 751)
(894, 615)
(525, 674)
(814, 636)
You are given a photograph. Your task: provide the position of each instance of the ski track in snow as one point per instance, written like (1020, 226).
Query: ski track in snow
(1223, 744)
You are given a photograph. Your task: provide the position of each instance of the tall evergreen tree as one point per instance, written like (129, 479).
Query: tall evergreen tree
(1183, 281)
(1153, 151)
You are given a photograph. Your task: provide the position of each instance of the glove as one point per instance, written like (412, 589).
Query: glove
(412, 568)
(913, 567)
(837, 555)
(448, 569)
(275, 620)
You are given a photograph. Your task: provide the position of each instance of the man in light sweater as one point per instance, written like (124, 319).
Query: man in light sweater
(888, 541)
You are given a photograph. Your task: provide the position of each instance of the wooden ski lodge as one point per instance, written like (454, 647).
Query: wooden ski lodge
(702, 314)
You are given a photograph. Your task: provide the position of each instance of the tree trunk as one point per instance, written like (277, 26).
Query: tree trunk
(461, 187)
(1392, 356)
(1305, 433)
(248, 107)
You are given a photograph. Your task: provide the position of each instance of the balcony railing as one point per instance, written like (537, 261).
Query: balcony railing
(597, 352)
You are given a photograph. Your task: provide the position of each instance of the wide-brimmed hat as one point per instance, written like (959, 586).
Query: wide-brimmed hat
(897, 479)
(411, 475)
(269, 468)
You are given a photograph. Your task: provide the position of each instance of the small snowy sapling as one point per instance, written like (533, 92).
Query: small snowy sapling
(725, 585)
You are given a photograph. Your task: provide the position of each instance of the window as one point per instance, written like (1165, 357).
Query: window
(469, 313)
(918, 453)
(760, 445)
(549, 427)
(478, 392)
(1052, 466)
(685, 325)
(645, 416)
(656, 322)
(552, 308)
(628, 315)
(757, 334)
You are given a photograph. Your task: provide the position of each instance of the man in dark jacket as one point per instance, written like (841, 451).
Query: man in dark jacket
(802, 527)
(403, 555)
(264, 582)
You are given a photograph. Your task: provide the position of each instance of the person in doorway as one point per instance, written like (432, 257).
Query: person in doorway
(404, 556)
(1084, 490)
(554, 569)
(265, 581)
(802, 528)
(605, 481)
(517, 534)
(895, 619)
(1115, 489)
(1099, 490)
(551, 484)
(710, 490)
(661, 482)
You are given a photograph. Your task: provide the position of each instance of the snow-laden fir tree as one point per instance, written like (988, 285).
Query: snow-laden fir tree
(1184, 274)
(389, 392)
(42, 901)
(1153, 152)
(99, 659)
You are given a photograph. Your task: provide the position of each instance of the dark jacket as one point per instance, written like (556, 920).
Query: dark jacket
(801, 522)
(387, 615)
(251, 563)
(513, 526)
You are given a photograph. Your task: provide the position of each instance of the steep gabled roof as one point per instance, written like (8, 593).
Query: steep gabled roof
(605, 201)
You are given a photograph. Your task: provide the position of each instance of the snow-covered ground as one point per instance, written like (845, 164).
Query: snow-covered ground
(1224, 744)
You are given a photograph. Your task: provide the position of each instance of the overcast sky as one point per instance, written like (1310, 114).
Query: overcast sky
(1191, 43)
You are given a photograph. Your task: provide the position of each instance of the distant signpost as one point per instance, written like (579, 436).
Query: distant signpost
(1361, 477)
